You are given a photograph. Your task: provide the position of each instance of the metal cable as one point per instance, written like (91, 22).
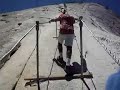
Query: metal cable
(24, 68)
(51, 69)
(100, 43)
(27, 59)
(49, 75)
(65, 6)
(93, 84)
(79, 49)
(88, 70)
(97, 40)
(79, 52)
(27, 33)
(18, 42)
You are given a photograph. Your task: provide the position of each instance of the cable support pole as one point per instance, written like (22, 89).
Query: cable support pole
(81, 53)
(81, 46)
(37, 52)
(81, 22)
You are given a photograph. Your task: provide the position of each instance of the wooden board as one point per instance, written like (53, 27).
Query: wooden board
(31, 81)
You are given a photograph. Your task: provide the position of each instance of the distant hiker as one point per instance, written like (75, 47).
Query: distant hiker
(66, 33)
(113, 82)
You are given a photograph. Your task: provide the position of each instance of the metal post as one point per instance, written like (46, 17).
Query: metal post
(37, 52)
(81, 53)
(81, 46)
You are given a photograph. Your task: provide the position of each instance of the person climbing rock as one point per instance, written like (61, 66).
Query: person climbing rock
(66, 34)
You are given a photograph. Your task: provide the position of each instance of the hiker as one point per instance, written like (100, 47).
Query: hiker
(66, 34)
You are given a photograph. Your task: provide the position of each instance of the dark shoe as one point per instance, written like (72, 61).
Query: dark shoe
(59, 58)
(68, 77)
(68, 70)
(61, 61)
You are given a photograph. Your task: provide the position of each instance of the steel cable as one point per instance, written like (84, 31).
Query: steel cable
(51, 69)
(88, 70)
(65, 6)
(24, 68)
(28, 57)
(18, 42)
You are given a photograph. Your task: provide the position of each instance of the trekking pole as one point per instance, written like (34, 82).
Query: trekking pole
(44, 23)
(37, 52)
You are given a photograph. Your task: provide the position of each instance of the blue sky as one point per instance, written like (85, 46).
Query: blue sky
(15, 5)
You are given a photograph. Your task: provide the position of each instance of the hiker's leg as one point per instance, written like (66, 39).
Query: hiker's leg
(68, 44)
(60, 49)
(68, 55)
(69, 51)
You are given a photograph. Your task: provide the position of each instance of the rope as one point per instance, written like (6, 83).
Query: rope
(51, 69)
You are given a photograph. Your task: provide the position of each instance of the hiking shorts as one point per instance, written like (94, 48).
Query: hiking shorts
(67, 38)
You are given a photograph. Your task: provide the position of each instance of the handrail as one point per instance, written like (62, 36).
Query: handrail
(103, 45)
(7, 55)
(44, 22)
(27, 33)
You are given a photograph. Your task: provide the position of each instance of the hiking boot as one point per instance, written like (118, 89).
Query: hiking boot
(68, 70)
(60, 60)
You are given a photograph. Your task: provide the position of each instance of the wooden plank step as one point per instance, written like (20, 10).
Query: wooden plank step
(86, 75)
